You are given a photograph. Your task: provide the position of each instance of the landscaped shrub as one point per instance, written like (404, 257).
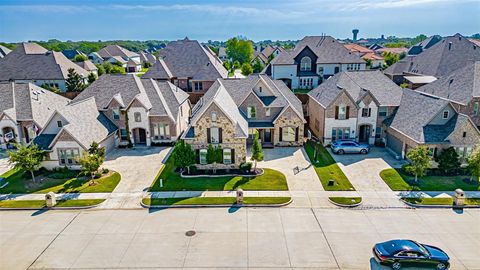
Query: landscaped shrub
(246, 166)
(97, 175)
(63, 173)
(105, 170)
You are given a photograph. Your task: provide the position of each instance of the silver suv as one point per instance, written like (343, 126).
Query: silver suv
(342, 147)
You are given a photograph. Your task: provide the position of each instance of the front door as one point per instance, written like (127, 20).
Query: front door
(267, 136)
(364, 133)
(142, 136)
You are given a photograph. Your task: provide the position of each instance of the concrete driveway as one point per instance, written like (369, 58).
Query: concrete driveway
(138, 167)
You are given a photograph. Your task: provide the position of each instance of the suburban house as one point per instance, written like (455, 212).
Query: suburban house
(133, 65)
(24, 111)
(441, 59)
(222, 54)
(95, 58)
(144, 110)
(88, 66)
(267, 54)
(352, 105)
(4, 51)
(233, 110)
(146, 57)
(314, 59)
(69, 132)
(424, 45)
(369, 55)
(70, 54)
(397, 51)
(430, 121)
(30, 62)
(118, 60)
(114, 53)
(462, 88)
(188, 65)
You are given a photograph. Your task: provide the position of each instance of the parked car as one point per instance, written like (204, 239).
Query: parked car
(343, 146)
(399, 253)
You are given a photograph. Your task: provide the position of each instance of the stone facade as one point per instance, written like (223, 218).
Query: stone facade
(288, 119)
(343, 99)
(469, 110)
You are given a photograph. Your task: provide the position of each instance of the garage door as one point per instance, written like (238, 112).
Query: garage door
(394, 144)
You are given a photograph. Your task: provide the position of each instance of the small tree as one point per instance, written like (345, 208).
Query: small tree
(96, 149)
(246, 69)
(91, 77)
(257, 66)
(474, 164)
(26, 158)
(146, 64)
(448, 160)
(419, 162)
(90, 164)
(390, 58)
(214, 156)
(257, 151)
(183, 155)
(74, 82)
(236, 65)
(80, 58)
(101, 69)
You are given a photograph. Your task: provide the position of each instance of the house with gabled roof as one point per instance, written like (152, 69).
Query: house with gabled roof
(116, 50)
(24, 111)
(233, 110)
(4, 51)
(145, 111)
(313, 60)
(376, 61)
(70, 131)
(462, 88)
(146, 57)
(88, 66)
(430, 121)
(352, 105)
(267, 54)
(31, 63)
(188, 65)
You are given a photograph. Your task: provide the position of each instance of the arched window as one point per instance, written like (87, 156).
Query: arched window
(306, 64)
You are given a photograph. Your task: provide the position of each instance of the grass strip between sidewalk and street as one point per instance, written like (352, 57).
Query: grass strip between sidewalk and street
(346, 200)
(440, 201)
(326, 169)
(35, 204)
(214, 200)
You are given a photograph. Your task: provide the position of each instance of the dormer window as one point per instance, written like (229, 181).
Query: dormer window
(260, 89)
(116, 114)
(214, 117)
(306, 64)
(59, 124)
(445, 114)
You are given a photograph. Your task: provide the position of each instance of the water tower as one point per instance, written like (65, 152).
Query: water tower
(355, 34)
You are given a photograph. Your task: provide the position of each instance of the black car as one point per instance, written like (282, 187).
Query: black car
(408, 253)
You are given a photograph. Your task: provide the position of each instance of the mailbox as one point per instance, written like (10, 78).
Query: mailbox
(459, 197)
(50, 199)
(239, 196)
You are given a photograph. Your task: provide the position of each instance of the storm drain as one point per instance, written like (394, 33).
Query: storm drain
(190, 233)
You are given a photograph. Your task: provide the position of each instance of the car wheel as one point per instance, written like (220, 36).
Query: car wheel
(340, 152)
(441, 266)
(363, 151)
(396, 266)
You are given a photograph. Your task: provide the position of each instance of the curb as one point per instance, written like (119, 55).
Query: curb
(346, 205)
(438, 206)
(214, 205)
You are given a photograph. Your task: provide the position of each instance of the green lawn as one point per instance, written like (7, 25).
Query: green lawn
(440, 201)
(326, 169)
(58, 182)
(346, 200)
(215, 200)
(397, 181)
(172, 181)
(41, 204)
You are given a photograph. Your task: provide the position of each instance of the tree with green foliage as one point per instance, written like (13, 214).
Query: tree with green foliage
(214, 156)
(183, 155)
(257, 151)
(418, 39)
(53, 89)
(474, 164)
(448, 160)
(92, 159)
(74, 81)
(258, 66)
(390, 58)
(92, 77)
(227, 65)
(101, 69)
(27, 158)
(246, 69)
(419, 162)
(369, 62)
(96, 149)
(239, 49)
(115, 68)
(236, 65)
(404, 85)
(80, 58)
(146, 64)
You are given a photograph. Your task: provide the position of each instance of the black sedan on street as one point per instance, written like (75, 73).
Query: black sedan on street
(408, 253)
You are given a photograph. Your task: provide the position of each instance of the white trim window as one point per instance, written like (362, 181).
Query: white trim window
(305, 64)
(137, 116)
(198, 86)
(214, 135)
(116, 114)
(161, 131)
(68, 156)
(267, 111)
(123, 134)
(288, 134)
(203, 156)
(227, 156)
(251, 112)
(366, 112)
(59, 124)
(342, 112)
(382, 111)
(214, 117)
(445, 114)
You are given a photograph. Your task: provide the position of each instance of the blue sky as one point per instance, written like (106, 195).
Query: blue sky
(219, 20)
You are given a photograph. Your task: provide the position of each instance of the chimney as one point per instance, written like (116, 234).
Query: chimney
(449, 46)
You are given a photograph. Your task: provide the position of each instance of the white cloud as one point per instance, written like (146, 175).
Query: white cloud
(47, 8)
(386, 4)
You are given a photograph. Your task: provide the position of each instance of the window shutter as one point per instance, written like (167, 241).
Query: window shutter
(280, 134)
(209, 140)
(233, 155)
(220, 135)
(198, 155)
(296, 134)
(347, 115)
(369, 112)
(336, 112)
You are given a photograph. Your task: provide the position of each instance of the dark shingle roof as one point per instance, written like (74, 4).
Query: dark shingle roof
(326, 48)
(460, 86)
(187, 59)
(43, 141)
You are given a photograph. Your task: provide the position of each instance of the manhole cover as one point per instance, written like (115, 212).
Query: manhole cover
(190, 233)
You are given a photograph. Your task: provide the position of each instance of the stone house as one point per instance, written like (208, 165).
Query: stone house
(24, 111)
(352, 105)
(313, 60)
(434, 122)
(233, 110)
(144, 110)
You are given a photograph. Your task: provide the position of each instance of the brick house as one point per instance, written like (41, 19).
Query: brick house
(233, 110)
(352, 105)
(145, 111)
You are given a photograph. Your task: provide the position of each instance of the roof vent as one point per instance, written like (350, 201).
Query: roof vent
(449, 45)
(474, 47)
(450, 82)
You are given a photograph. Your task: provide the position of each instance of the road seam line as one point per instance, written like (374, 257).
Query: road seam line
(324, 236)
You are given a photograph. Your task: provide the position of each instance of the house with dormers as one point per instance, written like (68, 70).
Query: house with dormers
(144, 110)
(233, 110)
(352, 105)
(313, 60)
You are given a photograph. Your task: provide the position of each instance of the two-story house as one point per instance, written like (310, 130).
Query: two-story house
(433, 122)
(313, 60)
(352, 105)
(233, 110)
(31, 63)
(24, 111)
(144, 110)
(114, 53)
(462, 87)
(188, 65)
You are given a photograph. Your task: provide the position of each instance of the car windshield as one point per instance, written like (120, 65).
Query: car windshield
(394, 247)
